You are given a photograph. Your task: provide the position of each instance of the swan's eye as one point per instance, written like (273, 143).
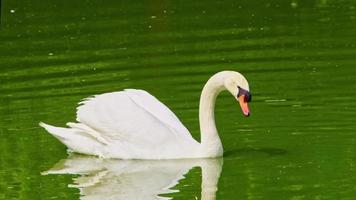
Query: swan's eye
(247, 94)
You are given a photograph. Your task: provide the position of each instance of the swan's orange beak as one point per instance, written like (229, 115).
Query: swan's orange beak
(244, 105)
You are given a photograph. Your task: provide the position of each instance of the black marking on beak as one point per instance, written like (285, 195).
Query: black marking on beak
(248, 96)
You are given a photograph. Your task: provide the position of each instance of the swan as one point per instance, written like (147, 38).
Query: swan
(133, 124)
(99, 179)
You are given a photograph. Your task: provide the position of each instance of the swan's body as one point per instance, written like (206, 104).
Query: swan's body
(132, 124)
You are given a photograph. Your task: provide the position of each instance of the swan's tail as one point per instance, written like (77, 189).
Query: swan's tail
(59, 133)
(75, 139)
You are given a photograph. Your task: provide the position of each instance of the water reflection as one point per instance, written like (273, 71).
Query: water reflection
(135, 179)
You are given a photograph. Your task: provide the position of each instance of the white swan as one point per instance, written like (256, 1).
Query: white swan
(132, 124)
(135, 179)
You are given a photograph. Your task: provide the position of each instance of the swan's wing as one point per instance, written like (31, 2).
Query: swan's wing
(133, 116)
(157, 109)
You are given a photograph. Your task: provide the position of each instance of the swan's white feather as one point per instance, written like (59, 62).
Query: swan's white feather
(157, 109)
(131, 124)
(75, 139)
(86, 129)
(132, 115)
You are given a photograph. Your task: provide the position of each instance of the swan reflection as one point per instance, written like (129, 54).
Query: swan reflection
(135, 179)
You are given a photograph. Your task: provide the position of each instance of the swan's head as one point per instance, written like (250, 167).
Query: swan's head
(238, 86)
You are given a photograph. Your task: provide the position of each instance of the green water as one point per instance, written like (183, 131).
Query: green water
(299, 57)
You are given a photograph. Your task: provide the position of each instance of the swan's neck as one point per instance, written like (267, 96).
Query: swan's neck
(210, 140)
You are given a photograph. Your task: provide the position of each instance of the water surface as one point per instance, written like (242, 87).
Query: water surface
(299, 57)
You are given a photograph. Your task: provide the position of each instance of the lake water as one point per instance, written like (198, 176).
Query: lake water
(299, 57)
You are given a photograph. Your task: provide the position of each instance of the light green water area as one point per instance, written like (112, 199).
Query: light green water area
(299, 57)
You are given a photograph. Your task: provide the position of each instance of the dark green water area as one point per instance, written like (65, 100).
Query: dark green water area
(299, 57)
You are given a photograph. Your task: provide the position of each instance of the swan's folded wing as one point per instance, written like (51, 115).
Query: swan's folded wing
(133, 116)
(157, 109)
